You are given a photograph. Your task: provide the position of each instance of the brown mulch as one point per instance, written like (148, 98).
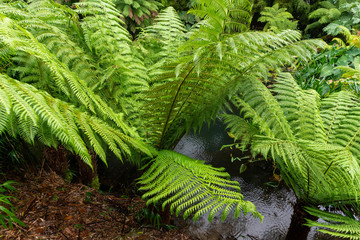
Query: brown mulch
(54, 209)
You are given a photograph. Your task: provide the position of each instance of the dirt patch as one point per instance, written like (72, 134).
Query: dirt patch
(54, 209)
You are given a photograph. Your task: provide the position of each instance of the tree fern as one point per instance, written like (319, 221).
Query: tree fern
(97, 93)
(194, 81)
(191, 187)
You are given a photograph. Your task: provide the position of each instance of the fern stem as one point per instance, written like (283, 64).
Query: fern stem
(172, 106)
(328, 167)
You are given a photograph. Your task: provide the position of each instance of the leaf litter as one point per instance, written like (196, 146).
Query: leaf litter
(53, 209)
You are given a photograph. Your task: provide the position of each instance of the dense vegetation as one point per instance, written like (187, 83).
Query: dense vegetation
(100, 76)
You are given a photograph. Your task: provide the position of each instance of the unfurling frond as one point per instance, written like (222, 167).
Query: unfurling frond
(191, 187)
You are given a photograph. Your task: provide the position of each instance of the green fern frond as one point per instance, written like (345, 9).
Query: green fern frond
(241, 129)
(69, 83)
(277, 18)
(37, 114)
(168, 32)
(313, 142)
(222, 17)
(185, 94)
(262, 103)
(192, 187)
(336, 225)
(110, 42)
(301, 109)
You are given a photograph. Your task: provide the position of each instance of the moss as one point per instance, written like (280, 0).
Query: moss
(95, 183)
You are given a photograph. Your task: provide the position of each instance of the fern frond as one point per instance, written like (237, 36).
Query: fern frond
(191, 85)
(277, 18)
(30, 113)
(260, 100)
(336, 225)
(192, 187)
(69, 83)
(167, 33)
(313, 142)
(110, 42)
(221, 17)
(301, 109)
(319, 173)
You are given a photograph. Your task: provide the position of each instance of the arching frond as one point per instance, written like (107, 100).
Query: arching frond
(162, 39)
(315, 148)
(336, 225)
(30, 113)
(191, 85)
(301, 109)
(124, 72)
(19, 39)
(191, 187)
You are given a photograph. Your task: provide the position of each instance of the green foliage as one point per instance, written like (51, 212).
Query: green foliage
(312, 141)
(323, 74)
(227, 16)
(190, 186)
(277, 19)
(148, 215)
(74, 77)
(182, 7)
(95, 183)
(160, 41)
(137, 12)
(7, 216)
(31, 113)
(335, 13)
(187, 100)
(299, 9)
(336, 225)
(123, 74)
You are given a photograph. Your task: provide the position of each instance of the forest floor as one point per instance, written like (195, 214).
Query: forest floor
(53, 209)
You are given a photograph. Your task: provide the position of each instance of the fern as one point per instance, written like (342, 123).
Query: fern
(277, 19)
(69, 83)
(137, 13)
(191, 187)
(90, 89)
(336, 225)
(27, 112)
(313, 142)
(162, 40)
(124, 74)
(186, 94)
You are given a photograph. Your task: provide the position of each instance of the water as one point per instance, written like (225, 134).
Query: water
(274, 203)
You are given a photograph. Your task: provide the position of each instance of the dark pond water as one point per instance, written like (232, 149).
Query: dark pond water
(274, 203)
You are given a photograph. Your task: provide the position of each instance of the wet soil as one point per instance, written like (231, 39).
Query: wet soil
(53, 209)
